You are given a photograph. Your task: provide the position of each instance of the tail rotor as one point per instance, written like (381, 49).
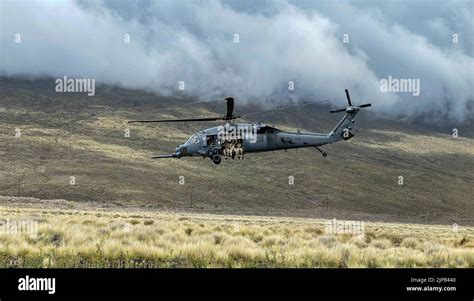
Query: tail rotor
(350, 108)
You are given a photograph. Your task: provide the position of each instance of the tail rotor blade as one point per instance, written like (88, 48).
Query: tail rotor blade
(350, 108)
(348, 98)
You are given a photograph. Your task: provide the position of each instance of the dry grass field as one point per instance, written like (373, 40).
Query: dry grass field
(83, 238)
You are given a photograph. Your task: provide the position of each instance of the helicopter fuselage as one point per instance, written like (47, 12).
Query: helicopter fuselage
(233, 140)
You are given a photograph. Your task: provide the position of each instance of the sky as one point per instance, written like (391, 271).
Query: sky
(252, 50)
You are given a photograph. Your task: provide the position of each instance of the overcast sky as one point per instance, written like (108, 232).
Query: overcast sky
(279, 41)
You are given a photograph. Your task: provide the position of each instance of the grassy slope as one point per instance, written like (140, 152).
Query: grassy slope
(67, 135)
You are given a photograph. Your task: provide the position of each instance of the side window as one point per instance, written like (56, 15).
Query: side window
(262, 130)
(211, 139)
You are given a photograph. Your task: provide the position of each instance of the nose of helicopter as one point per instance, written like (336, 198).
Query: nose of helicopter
(177, 151)
(181, 150)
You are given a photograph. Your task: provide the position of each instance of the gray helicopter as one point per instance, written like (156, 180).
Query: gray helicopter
(233, 140)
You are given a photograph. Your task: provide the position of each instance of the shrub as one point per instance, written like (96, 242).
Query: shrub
(410, 242)
(328, 241)
(188, 231)
(148, 222)
(381, 243)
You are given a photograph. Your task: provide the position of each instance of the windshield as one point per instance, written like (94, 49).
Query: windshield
(193, 139)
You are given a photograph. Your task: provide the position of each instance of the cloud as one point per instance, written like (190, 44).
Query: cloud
(279, 41)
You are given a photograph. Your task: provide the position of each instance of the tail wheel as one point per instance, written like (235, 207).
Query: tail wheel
(216, 159)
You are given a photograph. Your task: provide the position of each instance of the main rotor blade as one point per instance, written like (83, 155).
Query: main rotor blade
(177, 120)
(337, 111)
(230, 108)
(204, 101)
(279, 108)
(348, 97)
(365, 105)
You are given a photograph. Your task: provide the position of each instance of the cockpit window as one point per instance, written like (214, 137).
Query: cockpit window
(194, 139)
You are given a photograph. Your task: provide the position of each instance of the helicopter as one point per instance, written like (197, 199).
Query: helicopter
(234, 140)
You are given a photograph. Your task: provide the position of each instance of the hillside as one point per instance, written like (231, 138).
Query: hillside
(64, 135)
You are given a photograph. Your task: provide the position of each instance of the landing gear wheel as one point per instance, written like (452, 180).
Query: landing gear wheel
(321, 151)
(216, 159)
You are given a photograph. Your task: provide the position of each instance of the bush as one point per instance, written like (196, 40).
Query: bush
(148, 222)
(410, 242)
(381, 243)
(328, 241)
